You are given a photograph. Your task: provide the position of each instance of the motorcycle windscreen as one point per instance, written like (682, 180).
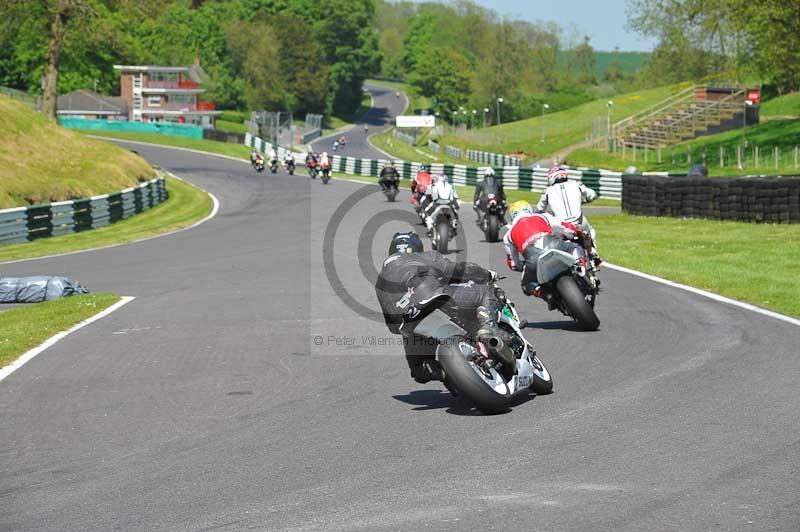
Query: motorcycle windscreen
(438, 325)
(551, 264)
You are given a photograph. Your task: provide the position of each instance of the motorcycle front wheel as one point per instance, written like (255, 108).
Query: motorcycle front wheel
(489, 392)
(575, 301)
(391, 194)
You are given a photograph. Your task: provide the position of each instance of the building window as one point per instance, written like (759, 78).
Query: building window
(154, 101)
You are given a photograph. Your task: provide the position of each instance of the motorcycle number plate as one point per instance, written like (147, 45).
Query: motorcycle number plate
(524, 381)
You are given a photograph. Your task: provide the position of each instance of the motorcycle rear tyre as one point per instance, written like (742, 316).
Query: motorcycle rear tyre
(576, 303)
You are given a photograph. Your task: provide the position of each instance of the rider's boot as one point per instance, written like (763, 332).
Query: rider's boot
(429, 370)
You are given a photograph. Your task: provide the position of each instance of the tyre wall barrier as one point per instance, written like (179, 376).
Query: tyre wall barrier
(23, 224)
(606, 184)
(493, 159)
(747, 199)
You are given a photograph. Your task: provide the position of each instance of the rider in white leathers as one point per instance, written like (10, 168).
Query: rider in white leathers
(563, 199)
(273, 155)
(440, 189)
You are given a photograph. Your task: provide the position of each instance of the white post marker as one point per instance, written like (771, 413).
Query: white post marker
(29, 355)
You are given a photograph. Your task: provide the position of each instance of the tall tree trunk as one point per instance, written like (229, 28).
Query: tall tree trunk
(50, 90)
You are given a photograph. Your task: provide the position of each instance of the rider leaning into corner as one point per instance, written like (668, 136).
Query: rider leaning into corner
(563, 198)
(529, 235)
(435, 193)
(410, 276)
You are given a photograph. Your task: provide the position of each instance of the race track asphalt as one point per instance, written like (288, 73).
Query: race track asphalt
(206, 404)
(385, 106)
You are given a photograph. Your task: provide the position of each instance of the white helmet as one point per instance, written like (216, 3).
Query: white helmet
(324, 154)
(488, 172)
(557, 174)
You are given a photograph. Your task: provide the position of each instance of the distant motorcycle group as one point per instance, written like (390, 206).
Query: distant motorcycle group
(552, 245)
(257, 162)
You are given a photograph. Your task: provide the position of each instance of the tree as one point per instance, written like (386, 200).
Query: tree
(55, 19)
(442, 75)
(584, 61)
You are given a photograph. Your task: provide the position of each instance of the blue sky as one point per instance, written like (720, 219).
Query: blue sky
(602, 20)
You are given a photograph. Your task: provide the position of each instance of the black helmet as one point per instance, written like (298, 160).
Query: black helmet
(406, 243)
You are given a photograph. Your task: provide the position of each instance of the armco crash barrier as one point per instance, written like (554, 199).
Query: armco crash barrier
(24, 224)
(749, 199)
(606, 184)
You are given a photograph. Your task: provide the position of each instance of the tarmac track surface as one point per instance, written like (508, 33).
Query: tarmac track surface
(206, 404)
(385, 106)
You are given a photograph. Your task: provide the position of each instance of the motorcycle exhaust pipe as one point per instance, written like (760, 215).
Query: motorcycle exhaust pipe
(499, 348)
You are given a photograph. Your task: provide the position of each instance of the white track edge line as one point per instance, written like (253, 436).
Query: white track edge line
(30, 354)
(705, 293)
(214, 210)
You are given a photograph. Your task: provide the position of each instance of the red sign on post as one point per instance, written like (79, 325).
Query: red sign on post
(754, 96)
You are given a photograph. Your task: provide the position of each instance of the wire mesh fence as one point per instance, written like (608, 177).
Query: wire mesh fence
(753, 157)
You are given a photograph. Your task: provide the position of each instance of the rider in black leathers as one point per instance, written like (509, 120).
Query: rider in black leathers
(411, 275)
(489, 185)
(388, 175)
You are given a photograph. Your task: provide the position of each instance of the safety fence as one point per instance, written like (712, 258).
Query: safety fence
(23, 224)
(492, 159)
(747, 199)
(453, 152)
(606, 184)
(434, 146)
(405, 137)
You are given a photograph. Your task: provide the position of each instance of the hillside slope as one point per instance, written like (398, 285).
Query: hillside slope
(41, 162)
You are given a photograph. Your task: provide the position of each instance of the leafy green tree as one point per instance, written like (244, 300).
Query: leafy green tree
(442, 75)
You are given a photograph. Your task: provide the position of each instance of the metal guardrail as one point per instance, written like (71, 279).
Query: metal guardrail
(606, 184)
(24, 224)
(453, 152)
(493, 159)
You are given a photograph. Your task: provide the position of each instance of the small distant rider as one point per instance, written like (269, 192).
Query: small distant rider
(335, 145)
(311, 159)
(529, 235)
(273, 155)
(389, 175)
(288, 159)
(563, 199)
(490, 185)
(325, 161)
(253, 156)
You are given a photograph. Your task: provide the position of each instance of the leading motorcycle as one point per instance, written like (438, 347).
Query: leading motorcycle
(441, 210)
(488, 374)
(493, 217)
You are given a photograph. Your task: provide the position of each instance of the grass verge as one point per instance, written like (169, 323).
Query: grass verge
(185, 206)
(711, 150)
(41, 162)
(240, 151)
(339, 121)
(23, 328)
(755, 263)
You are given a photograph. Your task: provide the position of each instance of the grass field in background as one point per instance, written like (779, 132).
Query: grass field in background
(784, 133)
(785, 106)
(239, 151)
(23, 328)
(185, 206)
(41, 162)
(562, 129)
(756, 263)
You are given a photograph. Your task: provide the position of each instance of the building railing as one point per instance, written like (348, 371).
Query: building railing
(183, 84)
(185, 107)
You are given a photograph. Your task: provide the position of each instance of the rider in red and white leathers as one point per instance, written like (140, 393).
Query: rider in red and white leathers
(529, 235)
(563, 199)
